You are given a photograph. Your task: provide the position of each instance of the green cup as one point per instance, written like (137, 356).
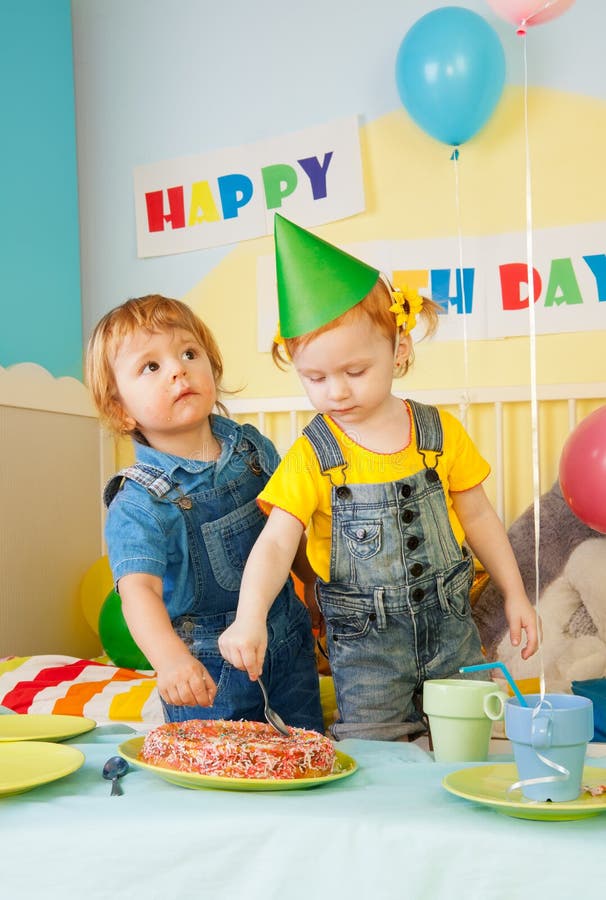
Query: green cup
(461, 712)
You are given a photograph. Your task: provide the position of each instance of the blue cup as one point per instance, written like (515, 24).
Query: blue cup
(555, 731)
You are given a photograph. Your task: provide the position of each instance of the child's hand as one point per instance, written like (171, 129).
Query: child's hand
(243, 644)
(521, 616)
(183, 681)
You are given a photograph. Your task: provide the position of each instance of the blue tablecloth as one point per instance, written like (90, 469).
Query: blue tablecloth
(388, 831)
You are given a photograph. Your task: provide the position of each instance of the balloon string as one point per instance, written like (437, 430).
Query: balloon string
(543, 779)
(465, 404)
(534, 408)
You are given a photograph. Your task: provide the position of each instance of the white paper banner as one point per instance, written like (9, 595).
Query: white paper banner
(313, 177)
(570, 281)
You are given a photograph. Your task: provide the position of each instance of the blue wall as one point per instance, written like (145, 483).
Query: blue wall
(39, 249)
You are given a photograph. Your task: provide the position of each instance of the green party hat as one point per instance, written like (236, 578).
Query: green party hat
(317, 282)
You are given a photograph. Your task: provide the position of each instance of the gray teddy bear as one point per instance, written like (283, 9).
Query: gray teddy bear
(560, 534)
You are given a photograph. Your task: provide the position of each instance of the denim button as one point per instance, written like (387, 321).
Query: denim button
(413, 542)
(188, 625)
(406, 491)
(361, 534)
(432, 476)
(343, 492)
(418, 594)
(372, 616)
(408, 516)
(416, 570)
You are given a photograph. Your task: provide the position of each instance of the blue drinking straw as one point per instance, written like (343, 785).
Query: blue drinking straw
(504, 670)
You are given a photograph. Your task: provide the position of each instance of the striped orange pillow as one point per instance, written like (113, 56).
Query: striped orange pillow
(79, 687)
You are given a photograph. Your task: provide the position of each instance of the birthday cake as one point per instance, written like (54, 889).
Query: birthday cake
(238, 749)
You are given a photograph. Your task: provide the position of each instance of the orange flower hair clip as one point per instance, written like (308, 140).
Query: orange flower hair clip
(407, 304)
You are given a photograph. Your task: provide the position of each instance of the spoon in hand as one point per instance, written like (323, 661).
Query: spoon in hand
(115, 768)
(271, 715)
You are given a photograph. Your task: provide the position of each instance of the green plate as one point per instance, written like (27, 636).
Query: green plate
(489, 785)
(32, 727)
(27, 764)
(345, 766)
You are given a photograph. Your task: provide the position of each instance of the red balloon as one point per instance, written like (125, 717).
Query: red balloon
(529, 12)
(583, 470)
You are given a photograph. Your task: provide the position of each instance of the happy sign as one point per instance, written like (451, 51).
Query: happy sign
(313, 177)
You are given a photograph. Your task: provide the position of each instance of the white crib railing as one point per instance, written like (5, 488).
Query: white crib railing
(43, 558)
(498, 419)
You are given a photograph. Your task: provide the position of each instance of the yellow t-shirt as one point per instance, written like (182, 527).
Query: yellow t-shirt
(298, 486)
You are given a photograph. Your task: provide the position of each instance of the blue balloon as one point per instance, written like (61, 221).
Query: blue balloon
(450, 73)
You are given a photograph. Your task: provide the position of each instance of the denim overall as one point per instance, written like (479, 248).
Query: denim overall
(397, 605)
(222, 525)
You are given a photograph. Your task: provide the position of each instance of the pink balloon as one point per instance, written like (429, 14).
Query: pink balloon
(529, 12)
(583, 470)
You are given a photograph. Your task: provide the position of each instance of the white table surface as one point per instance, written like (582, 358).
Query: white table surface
(389, 831)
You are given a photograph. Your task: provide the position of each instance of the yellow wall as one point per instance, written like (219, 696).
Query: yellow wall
(410, 194)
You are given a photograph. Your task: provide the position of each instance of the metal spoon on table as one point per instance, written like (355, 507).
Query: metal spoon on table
(271, 715)
(115, 768)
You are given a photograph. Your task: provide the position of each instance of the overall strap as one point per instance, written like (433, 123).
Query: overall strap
(324, 444)
(155, 481)
(251, 446)
(428, 426)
